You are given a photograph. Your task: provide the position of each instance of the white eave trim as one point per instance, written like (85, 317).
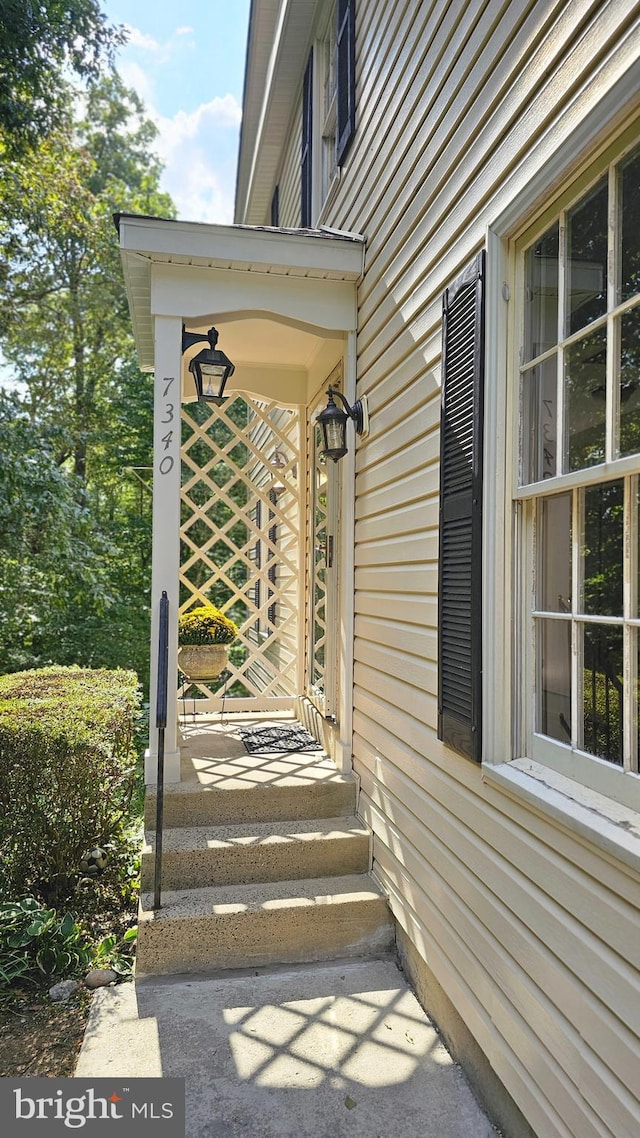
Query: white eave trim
(146, 242)
(300, 252)
(277, 52)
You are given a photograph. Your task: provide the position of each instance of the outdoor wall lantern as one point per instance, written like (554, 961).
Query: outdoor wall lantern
(333, 421)
(210, 368)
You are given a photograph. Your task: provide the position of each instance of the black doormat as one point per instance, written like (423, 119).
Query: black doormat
(281, 737)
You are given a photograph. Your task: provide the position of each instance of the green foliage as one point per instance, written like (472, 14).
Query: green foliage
(51, 552)
(37, 939)
(67, 329)
(75, 506)
(118, 955)
(602, 712)
(36, 41)
(67, 772)
(206, 625)
(37, 942)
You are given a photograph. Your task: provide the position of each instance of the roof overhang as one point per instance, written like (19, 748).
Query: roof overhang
(279, 294)
(278, 43)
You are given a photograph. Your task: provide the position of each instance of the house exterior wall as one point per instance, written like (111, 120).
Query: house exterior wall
(524, 916)
(289, 180)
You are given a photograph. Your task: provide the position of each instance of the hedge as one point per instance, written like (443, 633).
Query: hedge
(67, 771)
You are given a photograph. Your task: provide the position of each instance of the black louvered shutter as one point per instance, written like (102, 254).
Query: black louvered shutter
(460, 565)
(346, 77)
(307, 132)
(275, 207)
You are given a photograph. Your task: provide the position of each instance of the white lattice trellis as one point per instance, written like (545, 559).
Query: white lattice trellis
(240, 542)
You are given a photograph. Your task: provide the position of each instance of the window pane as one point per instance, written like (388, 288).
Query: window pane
(603, 549)
(585, 399)
(602, 697)
(554, 657)
(630, 382)
(630, 238)
(539, 421)
(554, 559)
(587, 259)
(541, 308)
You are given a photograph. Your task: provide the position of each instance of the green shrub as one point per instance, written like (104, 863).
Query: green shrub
(34, 939)
(206, 625)
(67, 770)
(603, 716)
(37, 942)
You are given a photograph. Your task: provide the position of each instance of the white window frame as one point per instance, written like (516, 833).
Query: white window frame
(325, 177)
(508, 570)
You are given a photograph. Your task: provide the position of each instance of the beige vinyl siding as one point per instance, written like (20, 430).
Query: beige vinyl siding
(530, 929)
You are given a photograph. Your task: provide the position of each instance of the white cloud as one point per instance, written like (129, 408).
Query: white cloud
(133, 75)
(197, 148)
(136, 38)
(220, 113)
(199, 153)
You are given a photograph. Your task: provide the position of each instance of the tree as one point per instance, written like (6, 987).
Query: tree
(65, 332)
(65, 324)
(38, 38)
(52, 559)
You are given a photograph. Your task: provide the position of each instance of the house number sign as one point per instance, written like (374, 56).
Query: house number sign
(167, 460)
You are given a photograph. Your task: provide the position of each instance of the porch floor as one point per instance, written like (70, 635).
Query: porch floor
(299, 1050)
(212, 754)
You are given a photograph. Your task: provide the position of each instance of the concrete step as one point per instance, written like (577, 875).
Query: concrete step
(239, 926)
(267, 851)
(231, 801)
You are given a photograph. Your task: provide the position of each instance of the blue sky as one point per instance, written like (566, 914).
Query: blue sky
(186, 61)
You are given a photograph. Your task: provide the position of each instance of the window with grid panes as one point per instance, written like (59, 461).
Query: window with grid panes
(328, 107)
(578, 492)
(328, 165)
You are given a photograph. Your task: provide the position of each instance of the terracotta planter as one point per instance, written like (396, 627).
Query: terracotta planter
(203, 661)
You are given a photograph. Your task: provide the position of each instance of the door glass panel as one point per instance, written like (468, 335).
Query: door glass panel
(630, 382)
(541, 292)
(603, 548)
(602, 695)
(587, 259)
(554, 666)
(630, 235)
(585, 400)
(554, 560)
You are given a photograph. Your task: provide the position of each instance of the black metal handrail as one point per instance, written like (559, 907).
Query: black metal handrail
(161, 723)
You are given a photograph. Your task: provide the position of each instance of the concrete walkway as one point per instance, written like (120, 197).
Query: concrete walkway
(311, 1051)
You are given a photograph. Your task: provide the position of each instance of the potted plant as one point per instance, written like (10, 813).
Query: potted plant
(204, 634)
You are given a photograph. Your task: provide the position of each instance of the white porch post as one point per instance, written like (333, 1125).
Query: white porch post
(166, 534)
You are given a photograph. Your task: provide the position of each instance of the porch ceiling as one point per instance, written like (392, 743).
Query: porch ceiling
(277, 293)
